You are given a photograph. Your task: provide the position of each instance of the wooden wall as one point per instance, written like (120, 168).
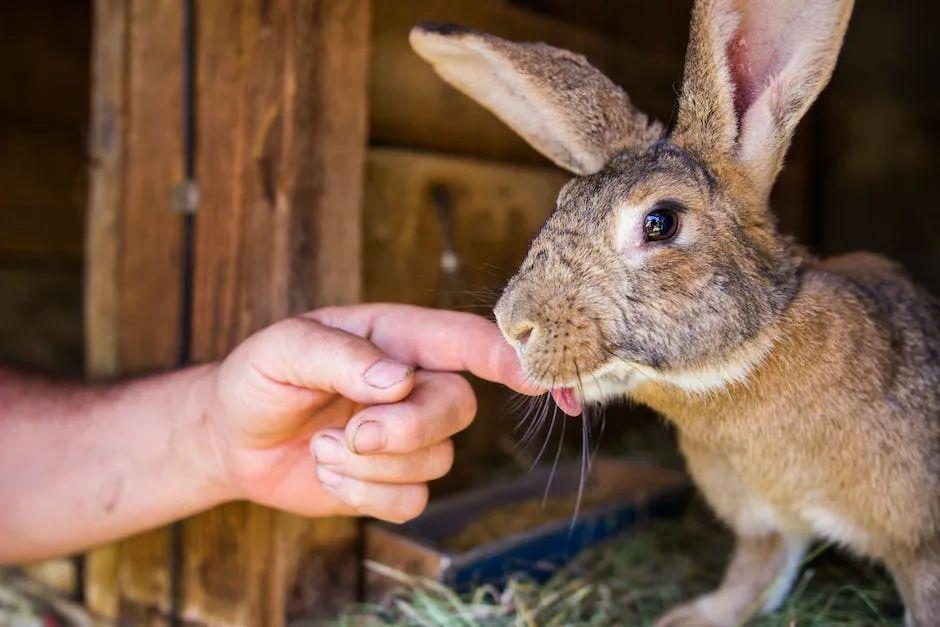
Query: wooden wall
(437, 174)
(277, 151)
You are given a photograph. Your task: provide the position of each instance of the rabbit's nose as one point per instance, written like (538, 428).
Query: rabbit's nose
(523, 332)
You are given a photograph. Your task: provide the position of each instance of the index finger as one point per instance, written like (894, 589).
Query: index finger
(434, 339)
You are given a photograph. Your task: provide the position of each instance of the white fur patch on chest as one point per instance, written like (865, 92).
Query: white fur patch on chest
(619, 378)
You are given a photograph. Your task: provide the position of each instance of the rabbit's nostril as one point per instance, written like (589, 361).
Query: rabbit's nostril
(523, 333)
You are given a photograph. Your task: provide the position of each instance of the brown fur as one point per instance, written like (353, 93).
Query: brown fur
(806, 393)
(494, 71)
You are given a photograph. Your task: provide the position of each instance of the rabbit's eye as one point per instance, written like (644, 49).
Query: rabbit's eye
(661, 224)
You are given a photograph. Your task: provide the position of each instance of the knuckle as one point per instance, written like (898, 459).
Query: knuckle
(291, 328)
(345, 344)
(355, 493)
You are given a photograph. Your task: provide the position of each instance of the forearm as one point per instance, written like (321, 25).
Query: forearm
(82, 465)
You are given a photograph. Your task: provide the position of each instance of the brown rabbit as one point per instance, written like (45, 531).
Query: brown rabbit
(804, 391)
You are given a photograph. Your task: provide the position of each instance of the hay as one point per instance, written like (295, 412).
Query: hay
(632, 580)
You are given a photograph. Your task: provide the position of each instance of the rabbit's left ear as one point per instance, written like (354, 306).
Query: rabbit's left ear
(752, 70)
(554, 99)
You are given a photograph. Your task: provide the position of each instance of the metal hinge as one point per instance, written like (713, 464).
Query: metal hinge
(186, 197)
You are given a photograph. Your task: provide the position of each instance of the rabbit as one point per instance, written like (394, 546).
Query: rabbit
(805, 392)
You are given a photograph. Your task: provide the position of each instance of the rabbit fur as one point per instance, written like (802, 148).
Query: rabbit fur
(805, 392)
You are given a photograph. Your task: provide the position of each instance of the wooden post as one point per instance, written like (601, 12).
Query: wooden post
(281, 137)
(133, 251)
(281, 146)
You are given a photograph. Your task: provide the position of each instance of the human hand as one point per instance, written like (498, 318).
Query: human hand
(350, 410)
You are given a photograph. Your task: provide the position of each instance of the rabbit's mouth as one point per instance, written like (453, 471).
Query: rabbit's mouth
(567, 400)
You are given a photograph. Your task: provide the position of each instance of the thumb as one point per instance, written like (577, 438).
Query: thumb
(307, 354)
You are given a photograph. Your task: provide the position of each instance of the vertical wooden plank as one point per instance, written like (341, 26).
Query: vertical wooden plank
(152, 229)
(281, 143)
(105, 198)
(134, 240)
(106, 185)
(150, 269)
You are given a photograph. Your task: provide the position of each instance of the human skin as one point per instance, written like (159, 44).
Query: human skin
(342, 411)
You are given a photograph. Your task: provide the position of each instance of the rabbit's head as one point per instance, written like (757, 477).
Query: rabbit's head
(661, 259)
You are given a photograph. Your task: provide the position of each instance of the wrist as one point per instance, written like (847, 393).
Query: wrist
(207, 448)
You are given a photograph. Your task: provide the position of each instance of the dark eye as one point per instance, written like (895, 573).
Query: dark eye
(661, 223)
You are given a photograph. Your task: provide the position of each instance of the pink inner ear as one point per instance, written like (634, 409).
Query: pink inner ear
(739, 66)
(768, 33)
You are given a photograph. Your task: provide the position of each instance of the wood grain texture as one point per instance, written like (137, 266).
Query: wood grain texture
(134, 272)
(413, 107)
(105, 199)
(281, 136)
(495, 209)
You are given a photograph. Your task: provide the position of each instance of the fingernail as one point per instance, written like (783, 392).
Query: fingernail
(328, 478)
(369, 437)
(385, 373)
(328, 450)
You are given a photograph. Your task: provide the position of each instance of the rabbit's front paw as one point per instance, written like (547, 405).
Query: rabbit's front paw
(685, 615)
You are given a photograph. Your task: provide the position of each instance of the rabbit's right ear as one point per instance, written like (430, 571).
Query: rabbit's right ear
(752, 70)
(554, 99)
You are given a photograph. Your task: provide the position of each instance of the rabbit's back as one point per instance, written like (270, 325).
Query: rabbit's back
(908, 314)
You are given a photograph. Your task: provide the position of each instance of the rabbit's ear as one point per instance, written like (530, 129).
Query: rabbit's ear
(752, 70)
(554, 99)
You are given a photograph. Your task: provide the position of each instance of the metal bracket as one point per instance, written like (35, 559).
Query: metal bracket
(186, 197)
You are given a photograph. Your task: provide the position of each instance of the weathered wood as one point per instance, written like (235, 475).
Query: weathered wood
(106, 186)
(494, 210)
(413, 107)
(105, 198)
(281, 136)
(134, 280)
(152, 237)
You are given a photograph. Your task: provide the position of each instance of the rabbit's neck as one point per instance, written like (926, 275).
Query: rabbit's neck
(781, 372)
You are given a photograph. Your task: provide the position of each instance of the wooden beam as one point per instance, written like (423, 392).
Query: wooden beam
(281, 145)
(134, 242)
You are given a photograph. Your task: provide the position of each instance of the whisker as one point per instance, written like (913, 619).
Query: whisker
(584, 450)
(603, 422)
(548, 437)
(535, 422)
(540, 420)
(551, 475)
(534, 406)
